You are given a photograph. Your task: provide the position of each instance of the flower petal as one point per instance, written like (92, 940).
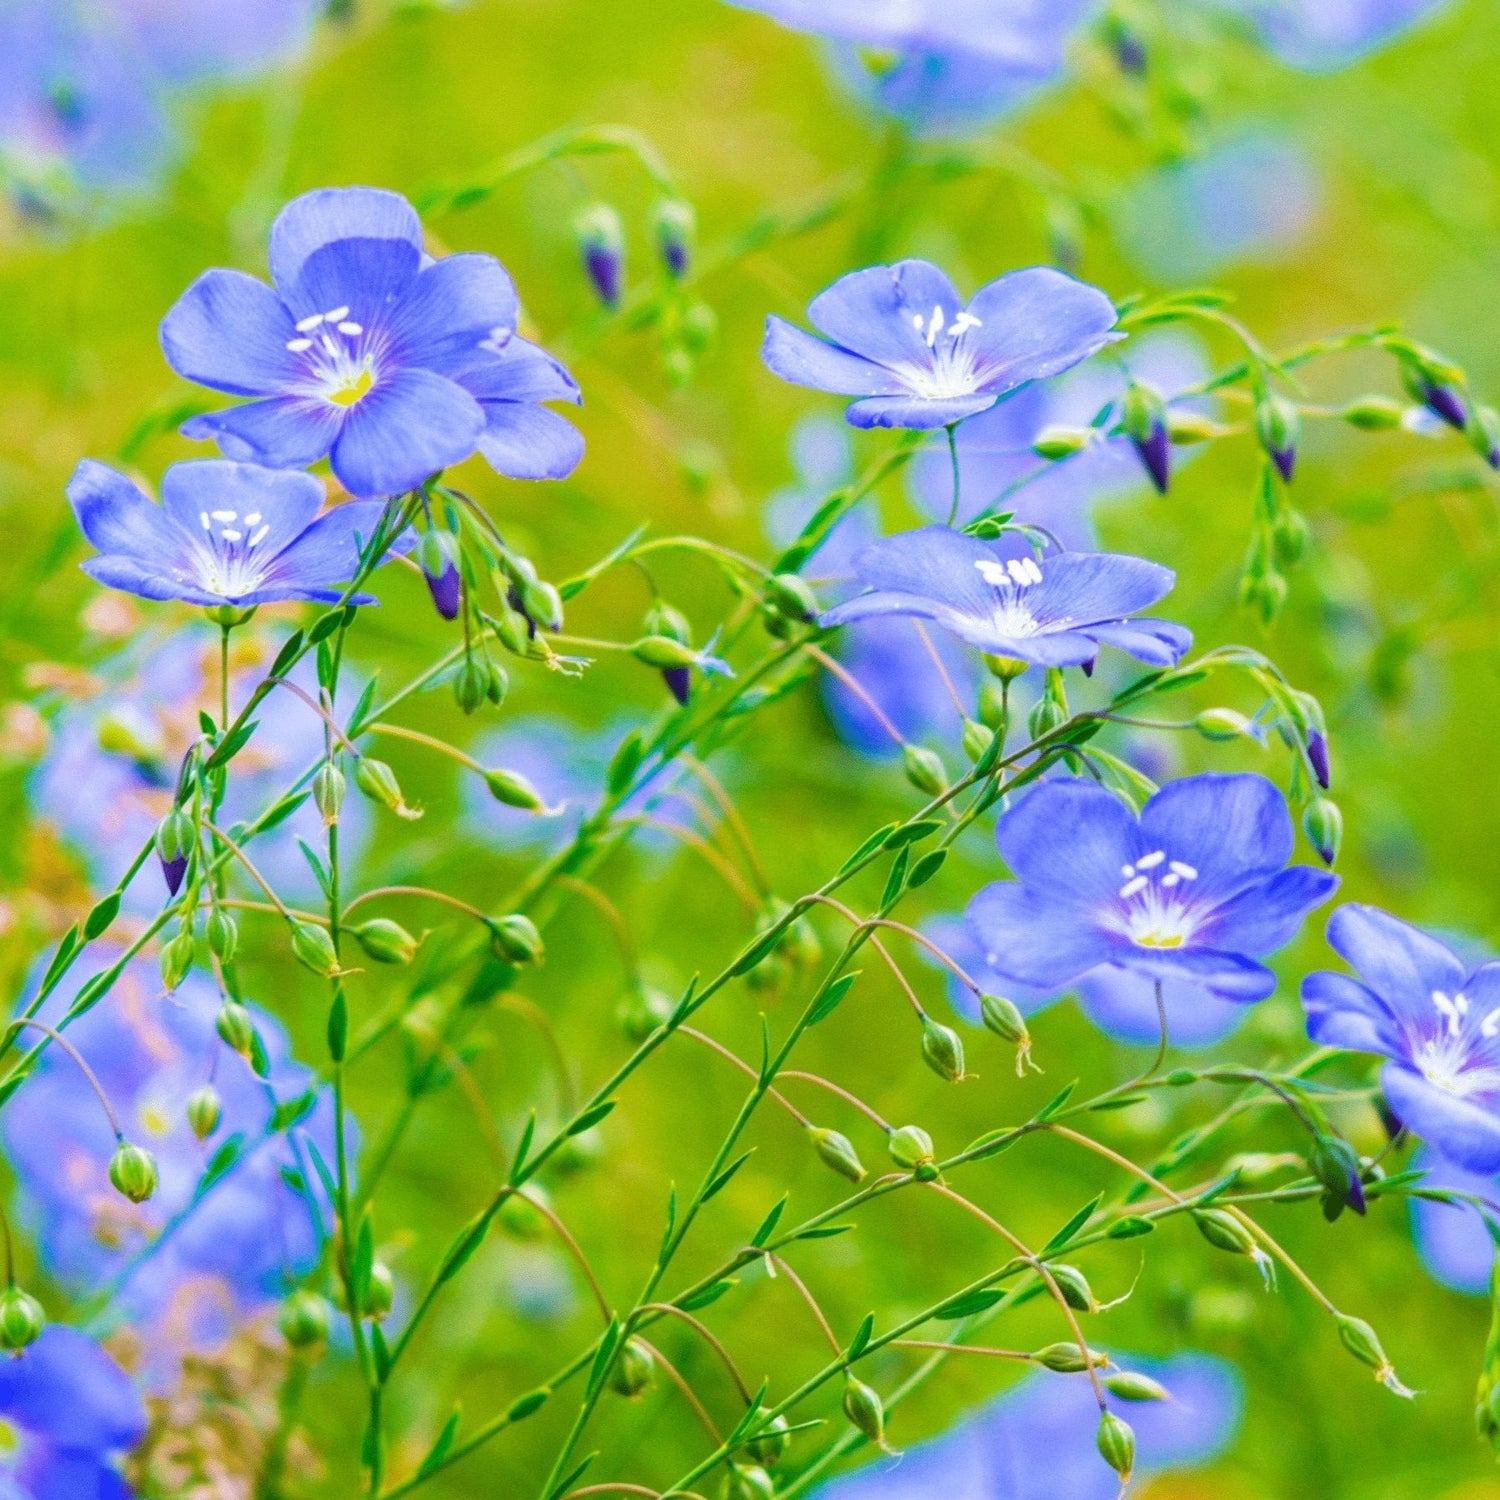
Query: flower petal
(282, 501)
(1158, 643)
(917, 413)
(801, 359)
(328, 551)
(281, 432)
(521, 371)
(1341, 1012)
(117, 517)
(229, 332)
(1399, 962)
(1083, 589)
(148, 581)
(366, 277)
(1036, 323)
(403, 431)
(884, 312)
(1027, 937)
(1230, 976)
(1266, 916)
(68, 1389)
(456, 305)
(934, 562)
(529, 442)
(1462, 1130)
(318, 218)
(1232, 829)
(1122, 1004)
(1068, 840)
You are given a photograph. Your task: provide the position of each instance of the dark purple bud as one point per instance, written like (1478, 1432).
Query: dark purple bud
(1445, 402)
(1317, 755)
(1285, 460)
(437, 552)
(445, 590)
(601, 238)
(1088, 666)
(675, 224)
(1155, 454)
(1130, 52)
(172, 871)
(1389, 1119)
(679, 682)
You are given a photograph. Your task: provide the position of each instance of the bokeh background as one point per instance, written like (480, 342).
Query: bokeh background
(1366, 195)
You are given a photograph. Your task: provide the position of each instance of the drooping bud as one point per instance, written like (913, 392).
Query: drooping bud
(675, 225)
(385, 941)
(1116, 1444)
(1224, 724)
(380, 1291)
(1438, 395)
(204, 1111)
(378, 782)
(663, 651)
(513, 789)
(21, 1319)
(1483, 433)
(303, 1320)
(1067, 1358)
(514, 630)
(789, 595)
(1144, 423)
(642, 1010)
(1335, 1163)
(1278, 427)
(515, 939)
(977, 739)
(1074, 1286)
(223, 935)
(328, 788)
(924, 769)
(746, 1482)
(911, 1149)
(768, 1446)
(313, 948)
(437, 553)
(520, 1217)
(1131, 1385)
(942, 1050)
(862, 1406)
(542, 603)
(235, 1028)
(601, 241)
(175, 837)
(1323, 824)
(632, 1369)
(471, 684)
(1061, 442)
(1364, 1344)
(1225, 1232)
(836, 1151)
(1373, 413)
(177, 957)
(132, 1170)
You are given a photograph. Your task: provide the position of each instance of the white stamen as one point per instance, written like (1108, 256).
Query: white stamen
(1150, 861)
(351, 328)
(1170, 880)
(963, 322)
(1452, 1010)
(259, 536)
(1186, 871)
(225, 515)
(1133, 887)
(934, 326)
(917, 322)
(1017, 570)
(253, 519)
(336, 316)
(298, 346)
(1127, 871)
(329, 347)
(1033, 573)
(308, 324)
(203, 516)
(231, 536)
(992, 572)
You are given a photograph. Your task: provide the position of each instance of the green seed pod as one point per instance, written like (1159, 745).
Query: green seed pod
(1046, 715)
(1373, 413)
(1007, 668)
(977, 739)
(328, 789)
(516, 940)
(799, 944)
(1004, 1018)
(1066, 1358)
(1130, 1385)
(513, 631)
(1364, 1344)
(863, 1408)
(747, 1482)
(1323, 824)
(177, 957)
(204, 1111)
(520, 1217)
(542, 603)
(1116, 1444)
(663, 652)
(513, 789)
(1074, 1286)
(837, 1151)
(911, 1148)
(380, 1291)
(385, 941)
(1223, 1231)
(21, 1319)
(924, 769)
(1061, 442)
(378, 782)
(497, 682)
(313, 948)
(132, 1169)
(768, 1446)
(223, 935)
(642, 1010)
(471, 684)
(699, 327)
(303, 1320)
(1224, 724)
(632, 1369)
(790, 595)
(942, 1050)
(234, 1025)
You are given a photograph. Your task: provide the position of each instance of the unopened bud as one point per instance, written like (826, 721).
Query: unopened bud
(132, 1169)
(175, 836)
(1317, 755)
(942, 1050)
(378, 782)
(1061, 442)
(513, 630)
(863, 1408)
(663, 651)
(911, 1149)
(380, 1291)
(385, 941)
(924, 769)
(632, 1369)
(177, 958)
(1323, 824)
(666, 619)
(223, 935)
(1116, 1444)
(1364, 1344)
(1075, 1289)
(747, 1482)
(1224, 724)
(1439, 395)
(1483, 433)
(1067, 1358)
(513, 789)
(1046, 715)
(789, 594)
(1223, 1231)
(204, 1111)
(1144, 423)
(676, 225)
(1373, 413)
(520, 1217)
(437, 553)
(1131, 1385)
(1186, 427)
(837, 1151)
(328, 791)
(977, 739)
(1006, 668)
(471, 684)
(235, 1027)
(769, 1445)
(21, 1319)
(1278, 427)
(313, 948)
(601, 242)
(515, 939)
(542, 603)
(1335, 1163)
(303, 1320)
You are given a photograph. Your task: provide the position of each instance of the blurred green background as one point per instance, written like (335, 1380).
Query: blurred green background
(1391, 621)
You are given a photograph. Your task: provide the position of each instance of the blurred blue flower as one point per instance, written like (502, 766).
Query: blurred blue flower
(994, 448)
(369, 352)
(224, 533)
(1452, 1240)
(1036, 1442)
(1120, 1002)
(250, 1235)
(1320, 36)
(1197, 888)
(1436, 1019)
(189, 41)
(68, 1412)
(1000, 599)
(1250, 199)
(900, 339)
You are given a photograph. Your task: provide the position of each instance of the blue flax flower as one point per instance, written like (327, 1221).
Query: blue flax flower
(1196, 888)
(368, 351)
(1320, 36)
(998, 597)
(1036, 1442)
(224, 533)
(1435, 1018)
(69, 1412)
(242, 1243)
(901, 340)
(1452, 1240)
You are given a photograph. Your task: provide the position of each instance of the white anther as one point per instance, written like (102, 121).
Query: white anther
(917, 322)
(253, 519)
(992, 572)
(1127, 871)
(260, 535)
(351, 328)
(1452, 1010)
(963, 322)
(203, 516)
(1150, 861)
(1017, 570)
(1186, 871)
(308, 324)
(231, 536)
(1491, 1023)
(934, 326)
(1033, 573)
(1132, 887)
(1170, 880)
(337, 315)
(298, 346)
(225, 515)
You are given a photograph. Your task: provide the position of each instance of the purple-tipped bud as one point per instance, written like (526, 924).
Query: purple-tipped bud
(601, 238)
(1317, 755)
(1444, 402)
(1278, 426)
(675, 228)
(1144, 423)
(679, 681)
(436, 555)
(445, 591)
(1130, 52)
(1334, 1163)
(172, 871)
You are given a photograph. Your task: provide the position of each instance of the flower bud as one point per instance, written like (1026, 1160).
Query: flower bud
(1323, 824)
(303, 1320)
(641, 1011)
(942, 1050)
(789, 595)
(132, 1169)
(977, 739)
(515, 939)
(1061, 442)
(1006, 668)
(675, 225)
(235, 1027)
(1116, 1444)
(1364, 1344)
(497, 682)
(1046, 715)
(513, 630)
(385, 941)
(328, 791)
(177, 958)
(697, 329)
(513, 789)
(542, 603)
(223, 935)
(1317, 755)
(1074, 1286)
(520, 1217)
(601, 241)
(663, 651)
(1278, 427)
(204, 1111)
(313, 948)
(1373, 413)
(1335, 1163)
(175, 835)
(632, 1369)
(768, 1447)
(1487, 1394)
(924, 769)
(747, 1482)
(837, 1151)
(1224, 724)
(378, 782)
(1186, 427)
(21, 1319)
(1131, 1385)
(380, 1291)
(1437, 392)
(1066, 1358)
(437, 553)
(471, 684)
(863, 1408)
(1143, 421)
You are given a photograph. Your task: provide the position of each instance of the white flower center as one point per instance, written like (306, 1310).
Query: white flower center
(951, 372)
(1011, 615)
(1155, 914)
(339, 365)
(1446, 1060)
(230, 562)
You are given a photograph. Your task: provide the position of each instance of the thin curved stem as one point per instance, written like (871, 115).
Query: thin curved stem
(688, 1394)
(611, 914)
(942, 670)
(84, 1068)
(706, 851)
(710, 1338)
(844, 1094)
(746, 1069)
(952, 430)
(716, 790)
(850, 681)
(808, 1298)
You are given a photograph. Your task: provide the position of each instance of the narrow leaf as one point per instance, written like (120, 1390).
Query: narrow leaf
(832, 997)
(722, 1180)
(1073, 1225)
(769, 1223)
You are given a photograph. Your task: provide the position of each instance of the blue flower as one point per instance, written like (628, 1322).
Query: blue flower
(1452, 1240)
(997, 597)
(369, 352)
(1197, 888)
(1435, 1018)
(1320, 37)
(224, 533)
(72, 1412)
(900, 339)
(1036, 1442)
(252, 1235)
(187, 41)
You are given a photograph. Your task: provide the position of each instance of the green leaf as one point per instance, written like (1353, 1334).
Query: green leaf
(705, 1295)
(832, 997)
(465, 1243)
(1129, 1227)
(591, 1117)
(572, 587)
(861, 1339)
(1124, 1101)
(231, 745)
(101, 916)
(522, 1147)
(875, 841)
(824, 1232)
(603, 1355)
(1056, 1102)
(624, 763)
(1073, 1225)
(439, 1450)
(523, 1406)
(769, 1223)
(991, 1144)
(362, 708)
(926, 867)
(913, 833)
(896, 880)
(381, 1350)
(65, 950)
(219, 1163)
(288, 1113)
(755, 953)
(327, 624)
(291, 649)
(966, 1304)
(722, 1180)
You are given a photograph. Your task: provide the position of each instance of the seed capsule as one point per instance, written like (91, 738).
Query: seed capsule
(1116, 1444)
(313, 948)
(1066, 1359)
(769, 1445)
(911, 1148)
(21, 1319)
(385, 941)
(234, 1025)
(204, 1111)
(924, 769)
(515, 939)
(303, 1320)
(378, 782)
(942, 1050)
(132, 1170)
(1131, 1385)
(863, 1408)
(380, 1291)
(837, 1151)
(632, 1369)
